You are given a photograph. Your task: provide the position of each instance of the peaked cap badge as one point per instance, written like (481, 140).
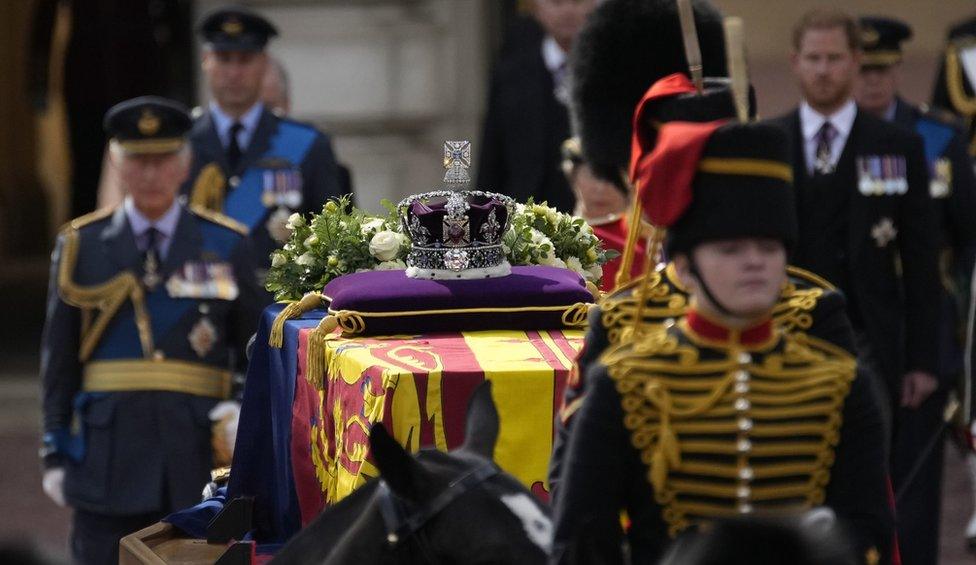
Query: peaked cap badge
(148, 123)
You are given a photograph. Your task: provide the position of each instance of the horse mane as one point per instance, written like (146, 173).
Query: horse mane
(315, 542)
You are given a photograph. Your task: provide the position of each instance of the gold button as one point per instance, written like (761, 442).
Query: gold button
(742, 376)
(741, 387)
(745, 424)
(745, 508)
(743, 492)
(743, 445)
(746, 473)
(742, 405)
(745, 358)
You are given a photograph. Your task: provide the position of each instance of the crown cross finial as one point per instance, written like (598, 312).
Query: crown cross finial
(457, 161)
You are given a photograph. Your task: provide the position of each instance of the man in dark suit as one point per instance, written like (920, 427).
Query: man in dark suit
(248, 163)
(527, 120)
(867, 223)
(955, 87)
(953, 186)
(149, 311)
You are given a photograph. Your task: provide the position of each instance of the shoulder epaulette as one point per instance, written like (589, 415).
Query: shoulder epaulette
(807, 276)
(219, 219)
(89, 218)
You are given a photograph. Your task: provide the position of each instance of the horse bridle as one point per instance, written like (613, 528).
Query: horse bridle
(405, 521)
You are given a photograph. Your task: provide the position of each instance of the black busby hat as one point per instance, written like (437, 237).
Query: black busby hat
(718, 181)
(625, 47)
(881, 40)
(233, 28)
(148, 124)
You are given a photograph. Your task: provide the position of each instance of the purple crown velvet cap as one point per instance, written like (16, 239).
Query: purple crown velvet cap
(532, 297)
(456, 230)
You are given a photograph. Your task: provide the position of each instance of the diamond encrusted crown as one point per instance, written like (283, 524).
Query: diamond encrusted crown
(456, 231)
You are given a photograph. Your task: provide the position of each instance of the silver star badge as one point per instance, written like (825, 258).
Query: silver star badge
(884, 232)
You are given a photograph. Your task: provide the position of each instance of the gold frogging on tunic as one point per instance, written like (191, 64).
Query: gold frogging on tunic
(730, 431)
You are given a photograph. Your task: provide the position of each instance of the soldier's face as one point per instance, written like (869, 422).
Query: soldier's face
(595, 197)
(825, 67)
(152, 180)
(235, 77)
(562, 19)
(746, 275)
(876, 88)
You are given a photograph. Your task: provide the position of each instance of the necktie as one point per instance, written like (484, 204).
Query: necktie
(823, 163)
(150, 259)
(233, 148)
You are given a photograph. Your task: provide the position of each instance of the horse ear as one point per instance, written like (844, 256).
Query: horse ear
(481, 426)
(397, 467)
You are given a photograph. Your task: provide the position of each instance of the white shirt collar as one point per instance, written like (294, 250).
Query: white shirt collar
(843, 119)
(223, 121)
(166, 224)
(552, 54)
(889, 114)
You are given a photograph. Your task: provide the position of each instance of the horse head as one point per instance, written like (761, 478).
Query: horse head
(432, 507)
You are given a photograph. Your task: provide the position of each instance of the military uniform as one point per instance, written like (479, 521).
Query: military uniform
(954, 86)
(952, 185)
(286, 166)
(138, 346)
(689, 421)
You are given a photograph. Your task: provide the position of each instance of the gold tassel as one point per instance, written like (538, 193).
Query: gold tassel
(209, 188)
(309, 302)
(315, 356)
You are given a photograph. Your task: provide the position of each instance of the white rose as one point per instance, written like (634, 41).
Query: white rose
(385, 245)
(596, 272)
(372, 225)
(312, 240)
(278, 259)
(557, 262)
(294, 221)
(306, 259)
(548, 258)
(395, 265)
(574, 265)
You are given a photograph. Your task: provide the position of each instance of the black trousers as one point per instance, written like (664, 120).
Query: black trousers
(95, 537)
(919, 505)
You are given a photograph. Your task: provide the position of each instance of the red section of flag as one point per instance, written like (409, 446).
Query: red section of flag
(305, 412)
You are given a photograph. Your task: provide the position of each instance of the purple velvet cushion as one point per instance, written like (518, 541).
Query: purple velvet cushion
(532, 297)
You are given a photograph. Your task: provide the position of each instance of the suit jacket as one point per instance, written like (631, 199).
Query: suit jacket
(319, 172)
(525, 127)
(144, 451)
(894, 280)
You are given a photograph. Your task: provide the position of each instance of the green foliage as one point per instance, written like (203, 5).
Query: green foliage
(343, 239)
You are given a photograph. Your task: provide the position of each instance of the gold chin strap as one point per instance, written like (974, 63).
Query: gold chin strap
(209, 188)
(106, 297)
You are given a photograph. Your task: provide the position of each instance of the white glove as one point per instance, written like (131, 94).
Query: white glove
(227, 413)
(53, 485)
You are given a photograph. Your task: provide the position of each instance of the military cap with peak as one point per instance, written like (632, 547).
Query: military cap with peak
(233, 28)
(881, 40)
(148, 124)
